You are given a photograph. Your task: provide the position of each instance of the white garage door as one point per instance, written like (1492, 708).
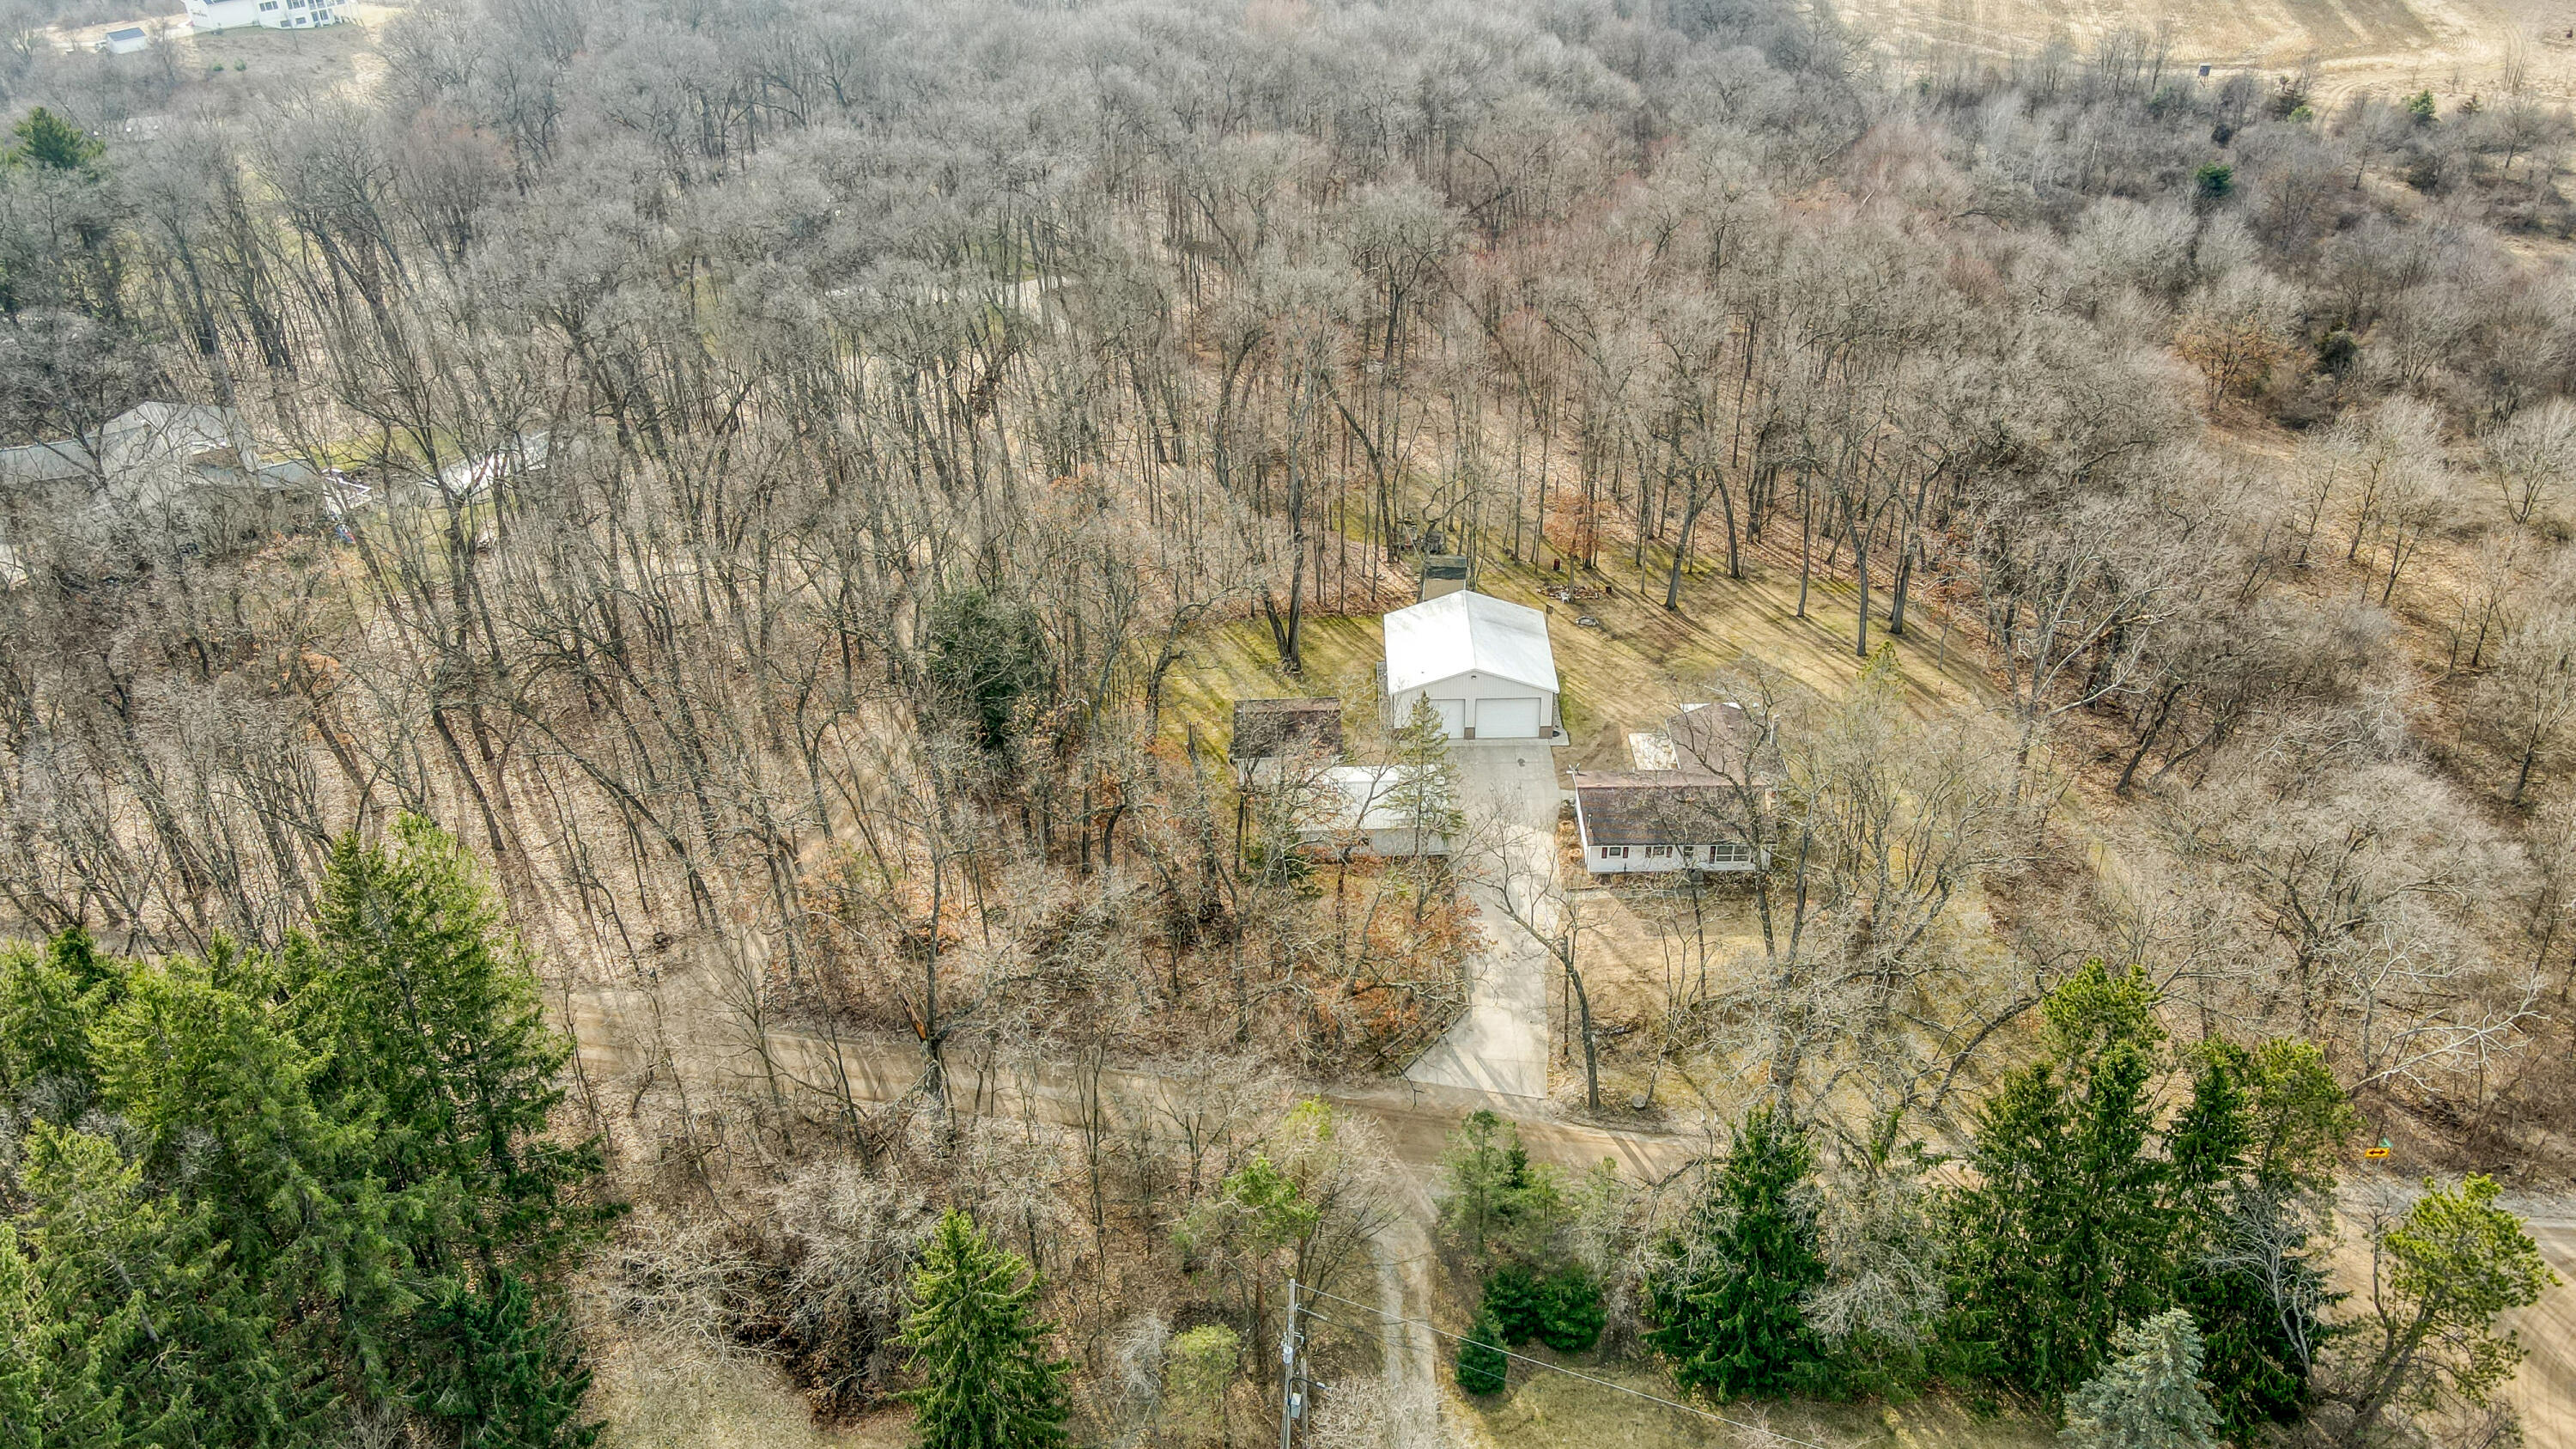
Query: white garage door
(1506, 719)
(1453, 716)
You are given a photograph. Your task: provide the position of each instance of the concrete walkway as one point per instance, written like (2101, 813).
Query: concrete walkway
(1509, 794)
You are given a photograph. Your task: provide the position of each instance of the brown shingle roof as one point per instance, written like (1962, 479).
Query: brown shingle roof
(1652, 807)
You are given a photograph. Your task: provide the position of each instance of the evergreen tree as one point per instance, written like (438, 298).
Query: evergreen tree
(426, 1005)
(2149, 1396)
(142, 1309)
(2439, 1277)
(330, 1180)
(2240, 1149)
(1482, 1366)
(979, 1349)
(47, 1000)
(47, 140)
(1424, 793)
(53, 1386)
(1569, 1311)
(1727, 1298)
(2066, 1231)
(1496, 1203)
(1515, 1303)
(500, 1372)
(985, 656)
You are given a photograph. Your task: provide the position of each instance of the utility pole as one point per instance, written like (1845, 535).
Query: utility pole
(1291, 1389)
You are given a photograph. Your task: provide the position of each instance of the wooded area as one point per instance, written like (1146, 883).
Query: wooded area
(777, 483)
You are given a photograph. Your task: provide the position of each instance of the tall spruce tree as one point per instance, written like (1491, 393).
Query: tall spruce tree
(2149, 1396)
(500, 1371)
(2065, 1231)
(427, 1006)
(1727, 1298)
(979, 1348)
(331, 1180)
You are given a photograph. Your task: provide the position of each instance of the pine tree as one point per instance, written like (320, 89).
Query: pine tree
(47, 140)
(1424, 793)
(2066, 1231)
(499, 1372)
(427, 1005)
(1570, 1317)
(1514, 1303)
(1496, 1203)
(1482, 1367)
(1727, 1299)
(979, 1349)
(2149, 1396)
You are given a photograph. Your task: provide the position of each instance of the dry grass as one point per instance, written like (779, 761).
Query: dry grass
(1552, 1411)
(1626, 671)
(652, 1398)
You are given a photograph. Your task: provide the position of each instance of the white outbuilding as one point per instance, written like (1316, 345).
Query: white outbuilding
(1484, 664)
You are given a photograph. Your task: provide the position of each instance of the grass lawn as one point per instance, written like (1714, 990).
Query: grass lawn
(1551, 1411)
(1626, 671)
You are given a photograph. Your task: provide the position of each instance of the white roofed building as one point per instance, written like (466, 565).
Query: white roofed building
(205, 16)
(1484, 664)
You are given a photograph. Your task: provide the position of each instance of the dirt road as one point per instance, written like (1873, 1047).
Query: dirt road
(2545, 1390)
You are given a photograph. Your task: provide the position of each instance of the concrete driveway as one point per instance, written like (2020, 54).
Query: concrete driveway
(1509, 794)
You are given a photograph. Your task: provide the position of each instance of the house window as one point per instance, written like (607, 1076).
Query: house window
(267, 5)
(1658, 852)
(1730, 852)
(1614, 852)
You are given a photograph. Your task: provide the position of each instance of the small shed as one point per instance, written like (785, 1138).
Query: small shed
(125, 40)
(1484, 664)
(1657, 820)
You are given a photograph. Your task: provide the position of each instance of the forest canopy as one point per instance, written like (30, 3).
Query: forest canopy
(793, 490)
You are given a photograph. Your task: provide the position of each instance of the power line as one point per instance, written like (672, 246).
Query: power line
(1313, 1291)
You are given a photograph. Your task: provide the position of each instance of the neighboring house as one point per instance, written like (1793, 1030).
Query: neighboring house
(1656, 820)
(1484, 664)
(1366, 810)
(125, 40)
(471, 480)
(188, 467)
(211, 15)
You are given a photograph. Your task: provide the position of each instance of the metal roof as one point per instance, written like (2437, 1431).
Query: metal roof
(1468, 633)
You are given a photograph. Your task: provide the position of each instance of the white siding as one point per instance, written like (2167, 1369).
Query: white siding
(1636, 859)
(1471, 692)
(1508, 719)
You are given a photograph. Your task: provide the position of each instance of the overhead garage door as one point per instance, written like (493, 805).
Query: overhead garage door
(1453, 716)
(1506, 719)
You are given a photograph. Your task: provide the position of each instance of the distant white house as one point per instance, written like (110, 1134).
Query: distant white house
(1484, 664)
(125, 40)
(205, 16)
